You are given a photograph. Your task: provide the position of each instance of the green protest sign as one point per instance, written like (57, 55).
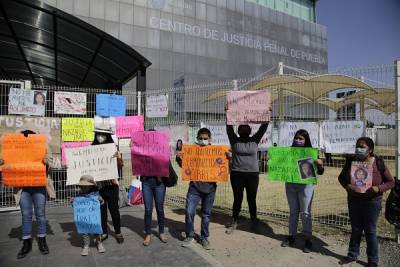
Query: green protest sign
(292, 164)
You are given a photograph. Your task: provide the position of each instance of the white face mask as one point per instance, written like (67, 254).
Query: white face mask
(202, 142)
(101, 138)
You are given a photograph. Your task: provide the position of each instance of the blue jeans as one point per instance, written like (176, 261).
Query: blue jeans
(192, 200)
(152, 188)
(300, 198)
(364, 217)
(33, 197)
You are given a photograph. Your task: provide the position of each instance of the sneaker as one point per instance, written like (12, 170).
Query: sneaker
(307, 246)
(205, 243)
(347, 260)
(100, 247)
(288, 242)
(187, 242)
(85, 251)
(231, 227)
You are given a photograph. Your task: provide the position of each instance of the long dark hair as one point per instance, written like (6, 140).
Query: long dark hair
(306, 136)
(109, 139)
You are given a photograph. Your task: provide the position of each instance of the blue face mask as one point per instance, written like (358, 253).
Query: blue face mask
(299, 143)
(361, 153)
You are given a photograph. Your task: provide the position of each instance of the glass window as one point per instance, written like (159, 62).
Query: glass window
(166, 40)
(112, 28)
(65, 5)
(126, 33)
(178, 42)
(140, 2)
(140, 36)
(166, 60)
(211, 14)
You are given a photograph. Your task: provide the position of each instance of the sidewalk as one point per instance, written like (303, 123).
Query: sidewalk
(65, 244)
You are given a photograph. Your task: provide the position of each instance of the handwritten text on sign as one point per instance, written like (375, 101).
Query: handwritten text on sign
(23, 158)
(157, 106)
(150, 155)
(87, 214)
(126, 125)
(283, 164)
(110, 105)
(70, 145)
(97, 161)
(205, 163)
(29, 102)
(77, 129)
(248, 107)
(69, 103)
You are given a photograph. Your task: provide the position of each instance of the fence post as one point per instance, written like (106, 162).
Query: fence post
(139, 102)
(397, 88)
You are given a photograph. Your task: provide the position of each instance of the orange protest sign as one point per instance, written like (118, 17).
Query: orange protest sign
(23, 160)
(205, 163)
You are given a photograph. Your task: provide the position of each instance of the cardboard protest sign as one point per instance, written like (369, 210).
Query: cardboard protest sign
(77, 129)
(150, 155)
(248, 107)
(97, 161)
(340, 136)
(292, 164)
(27, 102)
(70, 145)
(50, 127)
(287, 130)
(69, 103)
(205, 163)
(176, 132)
(218, 132)
(157, 106)
(126, 125)
(361, 176)
(87, 216)
(110, 105)
(23, 160)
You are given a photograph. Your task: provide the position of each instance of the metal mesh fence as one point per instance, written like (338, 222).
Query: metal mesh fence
(192, 106)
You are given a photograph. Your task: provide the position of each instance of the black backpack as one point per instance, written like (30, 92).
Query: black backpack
(392, 211)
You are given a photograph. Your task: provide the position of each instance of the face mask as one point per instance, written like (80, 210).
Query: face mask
(101, 138)
(361, 153)
(203, 142)
(299, 142)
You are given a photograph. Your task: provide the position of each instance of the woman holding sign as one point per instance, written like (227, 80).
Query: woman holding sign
(300, 196)
(365, 178)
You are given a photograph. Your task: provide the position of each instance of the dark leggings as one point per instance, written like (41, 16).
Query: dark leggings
(240, 181)
(110, 194)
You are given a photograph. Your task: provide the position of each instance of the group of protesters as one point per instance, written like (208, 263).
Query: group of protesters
(364, 208)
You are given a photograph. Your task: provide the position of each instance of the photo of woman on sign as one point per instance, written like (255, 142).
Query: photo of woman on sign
(360, 176)
(39, 98)
(306, 168)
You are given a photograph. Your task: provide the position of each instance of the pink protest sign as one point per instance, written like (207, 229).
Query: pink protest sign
(127, 125)
(70, 145)
(150, 153)
(248, 107)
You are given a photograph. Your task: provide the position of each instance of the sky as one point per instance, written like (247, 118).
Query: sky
(360, 32)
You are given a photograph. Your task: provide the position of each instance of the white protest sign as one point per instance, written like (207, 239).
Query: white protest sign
(218, 132)
(157, 106)
(287, 130)
(340, 136)
(27, 102)
(69, 103)
(97, 161)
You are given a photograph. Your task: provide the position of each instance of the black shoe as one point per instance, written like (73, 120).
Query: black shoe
(288, 242)
(307, 246)
(231, 228)
(44, 249)
(372, 264)
(254, 225)
(347, 260)
(26, 248)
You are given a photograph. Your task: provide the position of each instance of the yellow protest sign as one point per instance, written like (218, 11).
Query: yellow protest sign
(205, 163)
(77, 129)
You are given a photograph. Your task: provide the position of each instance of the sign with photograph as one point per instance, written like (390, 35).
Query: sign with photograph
(27, 102)
(361, 176)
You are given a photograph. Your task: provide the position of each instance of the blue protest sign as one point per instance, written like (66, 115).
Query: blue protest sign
(110, 105)
(87, 216)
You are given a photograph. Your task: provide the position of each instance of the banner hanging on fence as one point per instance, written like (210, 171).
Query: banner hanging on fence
(110, 105)
(150, 154)
(361, 176)
(205, 163)
(69, 103)
(127, 125)
(287, 130)
(23, 160)
(218, 132)
(87, 217)
(77, 129)
(340, 136)
(27, 102)
(266, 140)
(248, 107)
(292, 164)
(97, 161)
(64, 159)
(157, 106)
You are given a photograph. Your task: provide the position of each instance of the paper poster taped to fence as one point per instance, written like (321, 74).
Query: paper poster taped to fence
(23, 160)
(205, 163)
(87, 216)
(110, 105)
(176, 133)
(340, 136)
(70, 103)
(97, 161)
(157, 106)
(218, 132)
(361, 176)
(48, 126)
(150, 153)
(127, 125)
(287, 130)
(292, 164)
(77, 129)
(248, 107)
(27, 102)
(64, 159)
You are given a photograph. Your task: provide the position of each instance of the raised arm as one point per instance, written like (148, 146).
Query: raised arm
(261, 131)
(231, 134)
